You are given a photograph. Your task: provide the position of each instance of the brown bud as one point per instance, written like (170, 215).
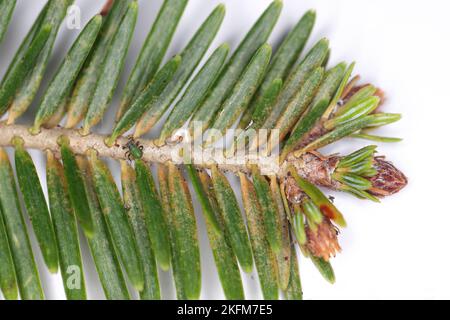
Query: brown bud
(323, 242)
(388, 180)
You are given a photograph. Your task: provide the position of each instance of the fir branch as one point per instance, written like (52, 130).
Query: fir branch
(311, 106)
(313, 166)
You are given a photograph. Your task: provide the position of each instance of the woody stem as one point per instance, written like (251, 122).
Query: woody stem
(47, 139)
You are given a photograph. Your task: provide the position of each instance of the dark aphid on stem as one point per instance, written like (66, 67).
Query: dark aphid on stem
(134, 149)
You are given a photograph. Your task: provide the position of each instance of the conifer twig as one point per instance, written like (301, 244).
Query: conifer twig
(313, 166)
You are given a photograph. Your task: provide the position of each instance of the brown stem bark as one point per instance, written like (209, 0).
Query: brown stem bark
(312, 166)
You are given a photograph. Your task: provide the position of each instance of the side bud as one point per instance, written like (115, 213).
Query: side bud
(388, 180)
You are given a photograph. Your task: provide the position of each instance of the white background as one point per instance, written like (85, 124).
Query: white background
(394, 250)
